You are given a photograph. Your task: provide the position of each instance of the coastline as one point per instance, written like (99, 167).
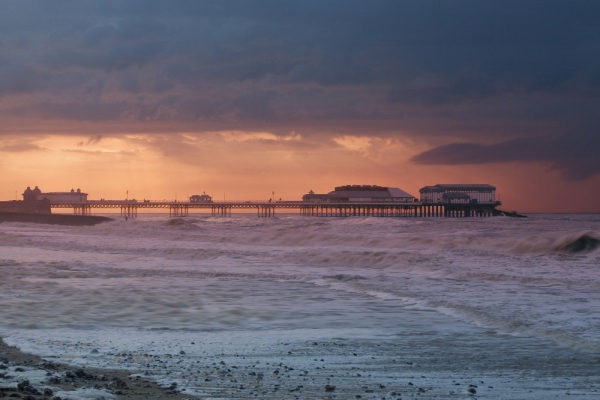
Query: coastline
(23, 375)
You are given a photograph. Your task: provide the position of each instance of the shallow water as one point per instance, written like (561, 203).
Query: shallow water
(476, 297)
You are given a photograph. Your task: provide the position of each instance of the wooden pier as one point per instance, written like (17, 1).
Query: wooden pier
(130, 208)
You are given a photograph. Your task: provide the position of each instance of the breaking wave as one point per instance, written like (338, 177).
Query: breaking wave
(583, 243)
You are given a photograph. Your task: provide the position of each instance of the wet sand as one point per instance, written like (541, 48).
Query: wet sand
(67, 382)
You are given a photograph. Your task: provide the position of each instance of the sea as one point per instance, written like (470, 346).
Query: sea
(315, 307)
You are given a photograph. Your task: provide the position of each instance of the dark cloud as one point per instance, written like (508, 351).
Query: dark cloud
(130, 83)
(91, 110)
(575, 154)
(472, 70)
(536, 45)
(91, 141)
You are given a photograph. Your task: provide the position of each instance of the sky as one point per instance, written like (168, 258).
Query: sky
(240, 99)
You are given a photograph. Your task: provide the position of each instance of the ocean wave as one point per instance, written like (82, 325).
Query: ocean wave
(494, 235)
(518, 320)
(583, 243)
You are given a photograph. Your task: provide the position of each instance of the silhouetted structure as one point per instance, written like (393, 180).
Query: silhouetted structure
(201, 198)
(361, 194)
(31, 195)
(73, 196)
(458, 194)
(345, 201)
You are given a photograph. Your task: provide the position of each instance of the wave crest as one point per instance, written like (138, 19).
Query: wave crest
(580, 244)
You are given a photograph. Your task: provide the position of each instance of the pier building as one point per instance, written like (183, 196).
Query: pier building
(201, 198)
(31, 195)
(458, 194)
(361, 194)
(73, 197)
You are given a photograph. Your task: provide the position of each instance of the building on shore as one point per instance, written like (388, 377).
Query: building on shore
(458, 194)
(31, 195)
(201, 198)
(361, 194)
(25, 207)
(73, 197)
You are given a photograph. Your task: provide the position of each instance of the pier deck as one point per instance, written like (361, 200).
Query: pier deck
(130, 208)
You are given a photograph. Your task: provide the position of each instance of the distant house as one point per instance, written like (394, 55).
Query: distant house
(72, 197)
(201, 198)
(458, 194)
(360, 194)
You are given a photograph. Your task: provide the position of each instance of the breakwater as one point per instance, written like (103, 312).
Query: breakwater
(55, 219)
(28, 207)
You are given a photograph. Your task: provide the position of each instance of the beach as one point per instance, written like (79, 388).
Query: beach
(462, 365)
(23, 375)
(295, 307)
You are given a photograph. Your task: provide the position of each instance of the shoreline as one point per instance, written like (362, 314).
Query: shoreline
(25, 375)
(470, 363)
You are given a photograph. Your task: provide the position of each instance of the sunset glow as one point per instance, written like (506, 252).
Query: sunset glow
(178, 101)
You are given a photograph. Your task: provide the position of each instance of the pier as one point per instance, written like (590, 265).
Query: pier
(439, 201)
(268, 209)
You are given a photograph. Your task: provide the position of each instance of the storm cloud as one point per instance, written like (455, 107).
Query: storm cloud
(469, 73)
(575, 155)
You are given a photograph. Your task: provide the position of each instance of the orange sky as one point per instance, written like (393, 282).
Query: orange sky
(242, 165)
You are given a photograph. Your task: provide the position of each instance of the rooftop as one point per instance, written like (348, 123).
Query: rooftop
(466, 186)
